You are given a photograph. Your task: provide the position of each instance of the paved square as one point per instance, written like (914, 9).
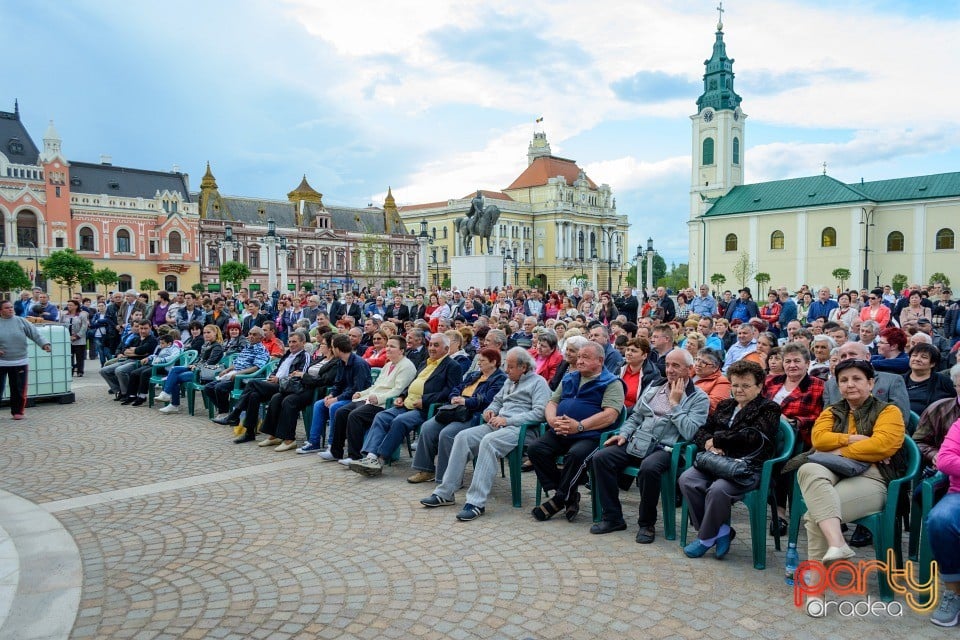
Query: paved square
(182, 534)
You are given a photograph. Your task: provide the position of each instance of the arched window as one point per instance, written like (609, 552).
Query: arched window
(175, 242)
(776, 239)
(708, 151)
(87, 239)
(945, 239)
(736, 150)
(124, 282)
(580, 245)
(123, 241)
(730, 243)
(26, 229)
(593, 244)
(894, 241)
(170, 284)
(828, 237)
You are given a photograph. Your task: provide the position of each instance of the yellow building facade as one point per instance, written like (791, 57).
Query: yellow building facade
(557, 228)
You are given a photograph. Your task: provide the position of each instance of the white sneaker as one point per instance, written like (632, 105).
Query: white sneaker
(326, 455)
(346, 461)
(163, 397)
(171, 408)
(221, 416)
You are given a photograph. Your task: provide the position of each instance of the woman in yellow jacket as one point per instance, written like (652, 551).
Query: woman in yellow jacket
(858, 428)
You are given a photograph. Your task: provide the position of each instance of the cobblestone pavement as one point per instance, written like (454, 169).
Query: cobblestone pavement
(183, 534)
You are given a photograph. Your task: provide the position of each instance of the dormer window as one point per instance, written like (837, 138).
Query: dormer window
(15, 147)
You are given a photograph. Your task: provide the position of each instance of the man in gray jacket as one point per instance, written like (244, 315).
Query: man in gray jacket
(666, 413)
(522, 399)
(887, 387)
(14, 332)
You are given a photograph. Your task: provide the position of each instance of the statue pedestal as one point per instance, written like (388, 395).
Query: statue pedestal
(484, 272)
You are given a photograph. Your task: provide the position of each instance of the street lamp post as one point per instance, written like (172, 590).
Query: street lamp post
(648, 256)
(508, 258)
(866, 219)
(423, 239)
(283, 253)
(270, 240)
(36, 262)
(595, 261)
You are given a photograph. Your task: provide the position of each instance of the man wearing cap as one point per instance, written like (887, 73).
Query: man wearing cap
(743, 308)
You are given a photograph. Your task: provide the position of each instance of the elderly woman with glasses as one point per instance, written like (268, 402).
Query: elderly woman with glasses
(891, 352)
(744, 426)
(708, 377)
(861, 428)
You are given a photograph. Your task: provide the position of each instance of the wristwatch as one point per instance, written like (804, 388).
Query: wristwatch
(579, 427)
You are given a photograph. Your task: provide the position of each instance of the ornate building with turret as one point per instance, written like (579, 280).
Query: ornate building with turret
(137, 222)
(330, 248)
(556, 226)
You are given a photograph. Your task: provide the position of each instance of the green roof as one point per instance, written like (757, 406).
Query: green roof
(821, 191)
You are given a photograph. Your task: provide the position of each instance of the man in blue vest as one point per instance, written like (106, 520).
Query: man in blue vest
(586, 402)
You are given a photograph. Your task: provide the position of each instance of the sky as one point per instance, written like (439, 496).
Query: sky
(438, 99)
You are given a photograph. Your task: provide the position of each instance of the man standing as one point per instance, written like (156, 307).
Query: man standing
(521, 400)
(585, 403)
(705, 305)
(45, 309)
(666, 303)
(14, 362)
(743, 308)
(190, 312)
(668, 411)
(348, 307)
(254, 317)
(822, 307)
(788, 309)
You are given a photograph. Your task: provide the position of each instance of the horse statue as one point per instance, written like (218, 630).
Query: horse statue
(479, 221)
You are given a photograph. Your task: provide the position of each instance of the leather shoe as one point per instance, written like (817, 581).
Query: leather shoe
(605, 526)
(861, 537)
(646, 535)
(782, 524)
(243, 439)
(227, 421)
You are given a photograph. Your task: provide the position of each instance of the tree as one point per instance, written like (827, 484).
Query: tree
(743, 269)
(898, 282)
(197, 288)
(446, 283)
(67, 269)
(941, 278)
(842, 275)
(149, 285)
(390, 284)
(717, 280)
(106, 277)
(659, 270)
(761, 279)
(306, 284)
(12, 276)
(632, 276)
(678, 277)
(234, 273)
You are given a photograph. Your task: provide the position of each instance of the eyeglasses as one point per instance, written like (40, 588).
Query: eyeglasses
(705, 363)
(741, 387)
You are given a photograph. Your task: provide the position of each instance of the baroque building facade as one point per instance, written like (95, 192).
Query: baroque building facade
(800, 230)
(330, 248)
(137, 222)
(557, 227)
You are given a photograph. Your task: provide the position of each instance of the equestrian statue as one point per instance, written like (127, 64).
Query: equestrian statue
(479, 221)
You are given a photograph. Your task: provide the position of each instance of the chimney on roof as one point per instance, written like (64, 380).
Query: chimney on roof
(105, 159)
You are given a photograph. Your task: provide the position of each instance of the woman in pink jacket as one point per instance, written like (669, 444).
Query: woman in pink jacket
(943, 523)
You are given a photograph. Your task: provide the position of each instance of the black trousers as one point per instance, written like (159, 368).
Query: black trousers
(139, 380)
(282, 413)
(609, 463)
(255, 393)
(351, 423)
(78, 352)
(18, 387)
(543, 454)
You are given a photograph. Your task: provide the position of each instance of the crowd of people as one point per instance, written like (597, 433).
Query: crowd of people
(617, 380)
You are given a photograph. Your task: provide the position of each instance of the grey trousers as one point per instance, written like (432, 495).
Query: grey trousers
(436, 441)
(487, 446)
(710, 500)
(117, 375)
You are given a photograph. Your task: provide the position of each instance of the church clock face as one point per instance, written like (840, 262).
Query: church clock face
(708, 115)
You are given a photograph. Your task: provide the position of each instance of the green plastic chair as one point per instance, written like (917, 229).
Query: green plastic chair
(917, 520)
(413, 434)
(260, 374)
(515, 460)
(375, 373)
(757, 500)
(190, 388)
(912, 423)
(681, 455)
(158, 373)
(884, 525)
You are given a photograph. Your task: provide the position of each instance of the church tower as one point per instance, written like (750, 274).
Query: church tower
(717, 144)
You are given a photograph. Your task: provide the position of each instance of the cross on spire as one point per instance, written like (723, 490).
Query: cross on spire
(824, 165)
(720, 16)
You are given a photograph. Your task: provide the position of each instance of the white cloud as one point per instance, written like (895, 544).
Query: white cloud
(629, 173)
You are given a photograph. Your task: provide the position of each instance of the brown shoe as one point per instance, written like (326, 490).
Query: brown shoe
(422, 476)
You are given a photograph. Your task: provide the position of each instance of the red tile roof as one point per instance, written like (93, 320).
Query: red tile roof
(496, 195)
(546, 167)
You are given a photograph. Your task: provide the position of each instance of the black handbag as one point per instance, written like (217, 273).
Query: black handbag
(449, 413)
(291, 385)
(843, 467)
(740, 471)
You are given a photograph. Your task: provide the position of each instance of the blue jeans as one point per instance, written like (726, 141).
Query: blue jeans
(389, 429)
(101, 350)
(318, 425)
(176, 377)
(943, 523)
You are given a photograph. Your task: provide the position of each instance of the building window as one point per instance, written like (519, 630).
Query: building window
(894, 242)
(580, 245)
(153, 247)
(87, 239)
(736, 150)
(340, 261)
(213, 256)
(170, 284)
(175, 242)
(828, 237)
(124, 282)
(308, 261)
(26, 229)
(58, 242)
(123, 241)
(730, 243)
(945, 239)
(708, 151)
(324, 261)
(291, 259)
(398, 263)
(776, 240)
(254, 260)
